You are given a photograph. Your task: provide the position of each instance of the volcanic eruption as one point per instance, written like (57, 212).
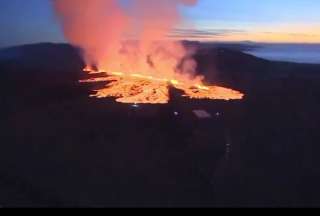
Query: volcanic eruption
(126, 45)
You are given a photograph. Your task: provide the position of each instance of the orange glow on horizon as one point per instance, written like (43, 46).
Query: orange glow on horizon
(281, 33)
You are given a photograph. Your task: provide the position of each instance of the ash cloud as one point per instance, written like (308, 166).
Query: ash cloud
(130, 39)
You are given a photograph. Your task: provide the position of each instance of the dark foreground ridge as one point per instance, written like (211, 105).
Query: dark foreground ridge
(61, 148)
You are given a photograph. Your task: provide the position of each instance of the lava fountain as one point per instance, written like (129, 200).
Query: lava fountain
(128, 43)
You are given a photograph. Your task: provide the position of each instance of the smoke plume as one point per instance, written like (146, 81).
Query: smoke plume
(127, 35)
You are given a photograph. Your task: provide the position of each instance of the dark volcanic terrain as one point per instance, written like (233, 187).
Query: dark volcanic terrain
(61, 148)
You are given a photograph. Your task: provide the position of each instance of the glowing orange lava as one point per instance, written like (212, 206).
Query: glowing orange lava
(142, 89)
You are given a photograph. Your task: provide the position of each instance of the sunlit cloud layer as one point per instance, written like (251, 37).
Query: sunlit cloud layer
(256, 32)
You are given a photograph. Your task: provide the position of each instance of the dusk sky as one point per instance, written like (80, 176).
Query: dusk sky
(33, 21)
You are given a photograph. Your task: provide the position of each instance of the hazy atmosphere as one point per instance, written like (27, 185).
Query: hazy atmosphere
(246, 20)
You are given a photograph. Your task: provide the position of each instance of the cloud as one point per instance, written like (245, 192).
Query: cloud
(257, 35)
(180, 33)
(293, 34)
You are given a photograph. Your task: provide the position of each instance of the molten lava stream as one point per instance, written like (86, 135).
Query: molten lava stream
(141, 89)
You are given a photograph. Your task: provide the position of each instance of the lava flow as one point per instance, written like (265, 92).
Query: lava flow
(131, 47)
(141, 89)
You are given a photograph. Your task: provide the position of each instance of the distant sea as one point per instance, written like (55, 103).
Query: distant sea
(299, 53)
